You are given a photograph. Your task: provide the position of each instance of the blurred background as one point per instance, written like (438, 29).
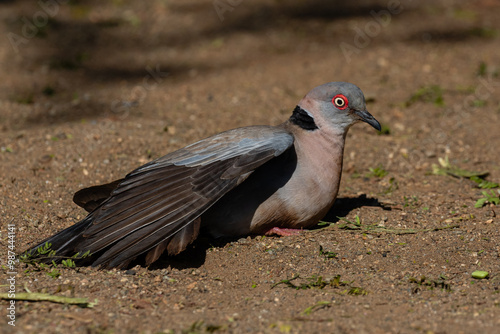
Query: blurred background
(68, 61)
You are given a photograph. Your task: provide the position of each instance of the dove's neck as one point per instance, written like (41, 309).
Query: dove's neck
(321, 152)
(315, 183)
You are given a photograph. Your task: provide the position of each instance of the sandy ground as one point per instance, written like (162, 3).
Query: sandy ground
(90, 91)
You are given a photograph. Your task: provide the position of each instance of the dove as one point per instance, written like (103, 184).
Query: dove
(246, 181)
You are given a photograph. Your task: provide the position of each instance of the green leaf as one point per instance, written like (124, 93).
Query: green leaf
(480, 203)
(68, 263)
(445, 168)
(379, 172)
(489, 197)
(479, 274)
(327, 254)
(54, 273)
(483, 184)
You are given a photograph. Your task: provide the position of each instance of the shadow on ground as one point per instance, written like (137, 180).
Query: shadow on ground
(195, 255)
(344, 205)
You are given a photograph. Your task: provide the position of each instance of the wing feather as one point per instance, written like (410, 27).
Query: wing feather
(158, 205)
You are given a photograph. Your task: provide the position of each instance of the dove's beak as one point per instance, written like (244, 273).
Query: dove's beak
(365, 116)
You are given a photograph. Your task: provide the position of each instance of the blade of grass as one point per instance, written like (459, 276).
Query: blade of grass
(39, 297)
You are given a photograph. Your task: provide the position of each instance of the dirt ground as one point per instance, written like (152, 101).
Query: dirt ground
(90, 90)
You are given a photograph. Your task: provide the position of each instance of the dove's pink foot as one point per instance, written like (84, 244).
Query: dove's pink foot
(284, 232)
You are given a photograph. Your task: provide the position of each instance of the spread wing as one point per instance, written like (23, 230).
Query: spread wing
(157, 206)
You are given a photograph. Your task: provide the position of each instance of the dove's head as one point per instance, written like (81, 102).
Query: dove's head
(334, 105)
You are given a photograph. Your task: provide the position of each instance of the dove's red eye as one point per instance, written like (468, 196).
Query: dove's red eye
(340, 101)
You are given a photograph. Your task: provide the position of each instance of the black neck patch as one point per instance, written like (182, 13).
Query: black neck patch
(302, 118)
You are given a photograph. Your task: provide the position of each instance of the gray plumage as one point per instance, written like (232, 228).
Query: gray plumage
(243, 181)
